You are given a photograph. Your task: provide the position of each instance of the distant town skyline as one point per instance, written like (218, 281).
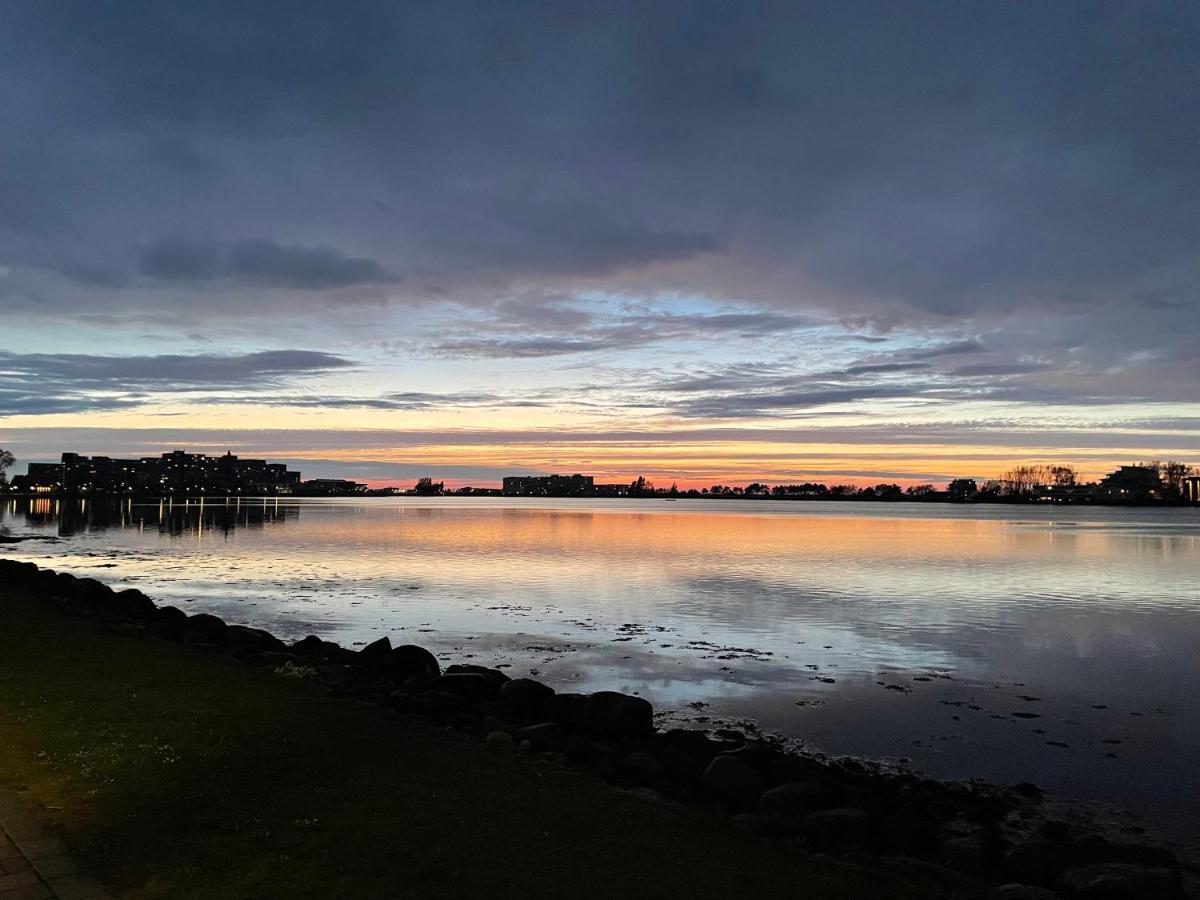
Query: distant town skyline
(707, 242)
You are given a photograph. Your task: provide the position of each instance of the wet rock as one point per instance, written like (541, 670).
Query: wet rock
(1014, 891)
(435, 703)
(568, 710)
(132, 604)
(376, 652)
(912, 830)
(1121, 881)
(501, 740)
(835, 827)
(541, 737)
(169, 623)
(525, 693)
(618, 716)
(91, 592)
(495, 676)
(410, 661)
(796, 798)
(643, 767)
(246, 639)
(734, 782)
(1035, 861)
(203, 628)
(466, 686)
(969, 855)
(751, 823)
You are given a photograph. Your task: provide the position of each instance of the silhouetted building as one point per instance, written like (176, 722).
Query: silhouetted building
(1191, 488)
(174, 473)
(549, 486)
(330, 487)
(1132, 484)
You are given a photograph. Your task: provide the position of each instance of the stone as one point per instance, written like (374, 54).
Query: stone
(644, 767)
(1035, 861)
(132, 604)
(1123, 881)
(618, 716)
(969, 855)
(203, 628)
(435, 703)
(245, 638)
(376, 652)
(796, 798)
(912, 830)
(544, 736)
(168, 622)
(409, 660)
(835, 827)
(495, 676)
(568, 710)
(737, 785)
(467, 687)
(525, 693)
(1014, 891)
(501, 740)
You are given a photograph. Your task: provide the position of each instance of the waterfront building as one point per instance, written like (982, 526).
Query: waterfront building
(549, 486)
(1132, 484)
(1191, 488)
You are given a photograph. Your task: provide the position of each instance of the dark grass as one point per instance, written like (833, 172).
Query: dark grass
(186, 775)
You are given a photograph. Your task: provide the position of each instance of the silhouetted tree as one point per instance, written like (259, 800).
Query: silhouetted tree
(1171, 474)
(6, 460)
(888, 491)
(962, 489)
(426, 487)
(919, 490)
(640, 487)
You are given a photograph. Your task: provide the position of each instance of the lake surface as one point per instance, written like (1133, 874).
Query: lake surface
(1059, 646)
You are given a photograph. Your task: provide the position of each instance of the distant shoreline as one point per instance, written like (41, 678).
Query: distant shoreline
(374, 495)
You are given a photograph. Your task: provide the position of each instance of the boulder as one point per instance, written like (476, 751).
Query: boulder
(911, 830)
(1035, 861)
(435, 703)
(525, 693)
(617, 716)
(969, 855)
(91, 592)
(835, 827)
(495, 676)
(245, 638)
(501, 740)
(544, 736)
(132, 604)
(409, 660)
(376, 652)
(644, 768)
(795, 798)
(1014, 891)
(468, 687)
(203, 628)
(1123, 881)
(168, 622)
(737, 785)
(568, 710)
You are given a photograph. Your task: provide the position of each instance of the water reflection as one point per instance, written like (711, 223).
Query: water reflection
(972, 641)
(73, 516)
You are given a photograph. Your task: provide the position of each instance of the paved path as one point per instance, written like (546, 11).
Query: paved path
(35, 865)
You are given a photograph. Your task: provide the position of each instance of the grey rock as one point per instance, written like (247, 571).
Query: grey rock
(835, 827)
(1123, 881)
(467, 687)
(737, 785)
(796, 798)
(618, 716)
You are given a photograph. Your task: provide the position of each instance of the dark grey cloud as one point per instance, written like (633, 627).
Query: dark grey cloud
(258, 261)
(1023, 173)
(40, 383)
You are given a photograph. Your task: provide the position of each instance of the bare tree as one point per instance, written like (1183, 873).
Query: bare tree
(6, 460)
(1171, 473)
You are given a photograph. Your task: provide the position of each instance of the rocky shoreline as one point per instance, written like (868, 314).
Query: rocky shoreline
(978, 838)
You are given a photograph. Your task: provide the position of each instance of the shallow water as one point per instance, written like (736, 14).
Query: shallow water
(1059, 646)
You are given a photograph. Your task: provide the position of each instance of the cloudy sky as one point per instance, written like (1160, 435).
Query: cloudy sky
(703, 241)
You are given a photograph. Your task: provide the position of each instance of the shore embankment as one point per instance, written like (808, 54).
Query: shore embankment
(170, 739)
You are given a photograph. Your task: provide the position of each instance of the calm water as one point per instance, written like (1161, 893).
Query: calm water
(969, 641)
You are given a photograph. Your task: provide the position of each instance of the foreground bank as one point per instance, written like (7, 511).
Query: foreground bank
(229, 780)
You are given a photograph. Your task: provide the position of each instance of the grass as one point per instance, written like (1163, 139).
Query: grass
(184, 775)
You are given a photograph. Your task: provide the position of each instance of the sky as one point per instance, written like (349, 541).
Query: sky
(707, 242)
